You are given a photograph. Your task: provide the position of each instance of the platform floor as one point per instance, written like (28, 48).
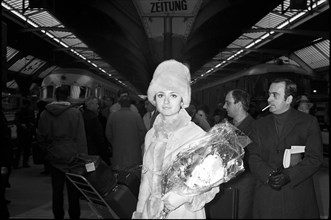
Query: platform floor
(30, 194)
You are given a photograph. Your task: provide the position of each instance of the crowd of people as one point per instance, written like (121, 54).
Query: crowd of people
(125, 135)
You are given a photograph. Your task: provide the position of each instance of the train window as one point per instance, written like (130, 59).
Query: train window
(97, 92)
(49, 91)
(75, 92)
(88, 92)
(43, 93)
(79, 92)
(82, 93)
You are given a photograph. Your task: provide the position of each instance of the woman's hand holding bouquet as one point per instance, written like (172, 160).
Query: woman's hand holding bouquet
(203, 164)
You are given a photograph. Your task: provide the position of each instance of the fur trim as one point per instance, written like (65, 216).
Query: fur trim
(173, 76)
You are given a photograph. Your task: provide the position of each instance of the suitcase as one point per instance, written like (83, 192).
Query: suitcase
(102, 178)
(224, 205)
(122, 201)
(130, 179)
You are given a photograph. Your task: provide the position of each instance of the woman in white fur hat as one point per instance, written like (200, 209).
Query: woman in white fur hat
(170, 92)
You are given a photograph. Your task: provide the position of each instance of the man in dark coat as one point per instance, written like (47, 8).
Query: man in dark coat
(61, 122)
(236, 105)
(5, 164)
(25, 123)
(285, 192)
(95, 135)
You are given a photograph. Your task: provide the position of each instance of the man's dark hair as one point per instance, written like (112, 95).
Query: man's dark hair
(41, 104)
(62, 93)
(26, 102)
(242, 96)
(122, 91)
(125, 101)
(290, 87)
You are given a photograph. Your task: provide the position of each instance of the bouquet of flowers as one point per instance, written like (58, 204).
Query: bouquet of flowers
(206, 162)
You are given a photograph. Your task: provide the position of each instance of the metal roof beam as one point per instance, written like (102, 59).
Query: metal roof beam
(74, 48)
(260, 50)
(62, 29)
(324, 34)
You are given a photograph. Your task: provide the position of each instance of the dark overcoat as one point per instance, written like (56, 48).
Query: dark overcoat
(296, 199)
(95, 135)
(244, 182)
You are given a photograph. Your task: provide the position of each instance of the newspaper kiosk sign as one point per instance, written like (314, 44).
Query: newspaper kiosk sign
(162, 8)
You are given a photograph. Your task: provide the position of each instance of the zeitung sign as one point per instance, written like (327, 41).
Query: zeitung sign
(174, 8)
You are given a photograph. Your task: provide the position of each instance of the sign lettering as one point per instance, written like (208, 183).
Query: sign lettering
(168, 6)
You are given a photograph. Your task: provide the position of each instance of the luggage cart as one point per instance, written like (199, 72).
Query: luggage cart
(98, 205)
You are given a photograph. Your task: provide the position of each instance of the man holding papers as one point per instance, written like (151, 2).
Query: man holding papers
(285, 187)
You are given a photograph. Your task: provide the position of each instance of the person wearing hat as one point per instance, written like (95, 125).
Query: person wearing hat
(170, 92)
(303, 104)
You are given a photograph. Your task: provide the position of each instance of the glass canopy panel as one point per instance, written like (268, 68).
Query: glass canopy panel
(12, 84)
(313, 57)
(44, 19)
(11, 52)
(324, 47)
(271, 20)
(21, 63)
(254, 35)
(16, 4)
(33, 66)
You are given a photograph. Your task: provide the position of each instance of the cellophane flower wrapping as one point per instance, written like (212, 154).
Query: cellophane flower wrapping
(206, 162)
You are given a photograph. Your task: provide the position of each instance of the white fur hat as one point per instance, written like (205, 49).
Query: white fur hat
(173, 76)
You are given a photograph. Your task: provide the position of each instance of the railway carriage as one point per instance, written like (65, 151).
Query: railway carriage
(82, 84)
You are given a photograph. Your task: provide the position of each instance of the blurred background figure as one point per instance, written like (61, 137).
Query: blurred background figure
(197, 118)
(148, 116)
(103, 115)
(41, 107)
(203, 111)
(25, 123)
(96, 142)
(126, 132)
(141, 107)
(105, 110)
(115, 107)
(5, 164)
(303, 104)
(219, 114)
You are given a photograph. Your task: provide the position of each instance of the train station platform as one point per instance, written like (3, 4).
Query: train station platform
(30, 194)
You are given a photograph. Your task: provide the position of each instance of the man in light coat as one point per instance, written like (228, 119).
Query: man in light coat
(125, 130)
